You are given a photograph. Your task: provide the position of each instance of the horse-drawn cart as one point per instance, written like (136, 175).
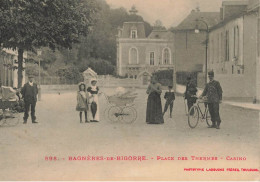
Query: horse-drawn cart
(8, 115)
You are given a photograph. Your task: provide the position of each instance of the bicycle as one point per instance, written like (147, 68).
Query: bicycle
(195, 113)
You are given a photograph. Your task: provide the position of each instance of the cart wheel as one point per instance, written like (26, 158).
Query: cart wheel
(10, 118)
(114, 113)
(129, 114)
(2, 120)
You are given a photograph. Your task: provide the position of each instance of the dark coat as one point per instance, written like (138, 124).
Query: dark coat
(191, 90)
(30, 92)
(213, 91)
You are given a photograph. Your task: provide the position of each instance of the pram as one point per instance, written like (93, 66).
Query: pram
(122, 107)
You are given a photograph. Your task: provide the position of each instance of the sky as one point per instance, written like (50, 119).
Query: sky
(170, 12)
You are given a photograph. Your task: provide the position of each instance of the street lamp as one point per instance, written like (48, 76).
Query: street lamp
(39, 53)
(207, 40)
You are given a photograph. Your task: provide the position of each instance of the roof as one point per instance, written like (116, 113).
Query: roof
(234, 3)
(160, 34)
(189, 23)
(128, 26)
(88, 72)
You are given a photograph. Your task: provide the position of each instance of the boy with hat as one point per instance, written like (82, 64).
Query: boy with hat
(169, 97)
(29, 93)
(213, 92)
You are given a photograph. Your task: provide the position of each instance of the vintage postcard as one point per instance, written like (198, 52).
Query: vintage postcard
(120, 90)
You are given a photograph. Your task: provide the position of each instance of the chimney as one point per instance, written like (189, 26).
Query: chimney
(221, 14)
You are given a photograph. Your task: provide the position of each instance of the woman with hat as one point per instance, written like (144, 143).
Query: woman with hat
(82, 101)
(93, 101)
(154, 113)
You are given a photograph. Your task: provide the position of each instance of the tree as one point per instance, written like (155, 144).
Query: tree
(30, 24)
(158, 25)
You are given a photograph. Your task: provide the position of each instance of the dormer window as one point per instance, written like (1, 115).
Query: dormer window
(133, 34)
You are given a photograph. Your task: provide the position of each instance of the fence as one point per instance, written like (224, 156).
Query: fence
(55, 81)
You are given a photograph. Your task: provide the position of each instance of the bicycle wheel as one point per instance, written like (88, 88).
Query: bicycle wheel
(193, 116)
(114, 113)
(208, 118)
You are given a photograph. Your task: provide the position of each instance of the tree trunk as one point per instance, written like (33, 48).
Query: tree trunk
(20, 67)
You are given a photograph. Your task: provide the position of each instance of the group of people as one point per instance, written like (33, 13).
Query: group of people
(87, 102)
(212, 93)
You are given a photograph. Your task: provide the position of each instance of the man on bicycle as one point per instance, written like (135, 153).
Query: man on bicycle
(213, 92)
(190, 92)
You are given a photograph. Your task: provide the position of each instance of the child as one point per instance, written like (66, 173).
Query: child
(82, 101)
(170, 97)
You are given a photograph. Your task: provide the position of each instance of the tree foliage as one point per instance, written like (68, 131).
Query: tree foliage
(26, 24)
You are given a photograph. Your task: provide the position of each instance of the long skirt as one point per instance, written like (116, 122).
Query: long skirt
(93, 111)
(154, 109)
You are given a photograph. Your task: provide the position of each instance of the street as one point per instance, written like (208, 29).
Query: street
(25, 150)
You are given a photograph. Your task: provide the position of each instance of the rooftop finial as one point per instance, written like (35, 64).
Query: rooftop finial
(133, 10)
(198, 7)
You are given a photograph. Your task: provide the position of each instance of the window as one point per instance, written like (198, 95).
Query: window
(151, 58)
(213, 51)
(236, 42)
(166, 56)
(133, 34)
(133, 56)
(221, 47)
(227, 46)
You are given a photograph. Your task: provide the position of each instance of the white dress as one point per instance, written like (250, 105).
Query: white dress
(93, 97)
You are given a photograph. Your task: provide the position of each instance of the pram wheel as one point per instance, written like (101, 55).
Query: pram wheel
(129, 115)
(114, 113)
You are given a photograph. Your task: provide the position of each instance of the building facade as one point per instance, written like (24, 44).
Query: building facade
(233, 54)
(139, 56)
(190, 46)
(9, 68)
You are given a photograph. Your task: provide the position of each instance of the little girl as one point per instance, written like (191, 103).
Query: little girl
(82, 101)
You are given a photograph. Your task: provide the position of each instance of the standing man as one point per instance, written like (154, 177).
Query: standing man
(29, 92)
(213, 92)
(190, 92)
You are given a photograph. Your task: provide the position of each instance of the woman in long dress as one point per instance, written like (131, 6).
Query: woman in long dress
(154, 105)
(93, 101)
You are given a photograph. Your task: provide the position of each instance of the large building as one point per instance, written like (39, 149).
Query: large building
(234, 51)
(190, 48)
(139, 56)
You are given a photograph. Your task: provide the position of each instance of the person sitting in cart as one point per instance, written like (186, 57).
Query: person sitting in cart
(170, 97)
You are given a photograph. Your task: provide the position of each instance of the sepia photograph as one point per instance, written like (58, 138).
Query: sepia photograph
(129, 90)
